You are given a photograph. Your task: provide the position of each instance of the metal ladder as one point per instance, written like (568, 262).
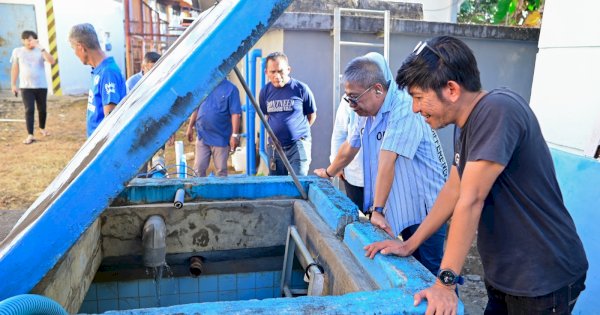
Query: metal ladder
(314, 273)
(338, 43)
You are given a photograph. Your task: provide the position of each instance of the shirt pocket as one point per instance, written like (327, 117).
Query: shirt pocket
(222, 104)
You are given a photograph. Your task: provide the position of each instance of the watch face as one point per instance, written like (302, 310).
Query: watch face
(447, 277)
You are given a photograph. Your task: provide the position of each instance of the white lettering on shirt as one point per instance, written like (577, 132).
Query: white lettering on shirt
(110, 88)
(277, 106)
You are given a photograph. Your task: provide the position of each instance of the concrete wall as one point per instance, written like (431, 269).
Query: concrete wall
(199, 227)
(564, 94)
(105, 15)
(14, 32)
(505, 56)
(437, 10)
(68, 282)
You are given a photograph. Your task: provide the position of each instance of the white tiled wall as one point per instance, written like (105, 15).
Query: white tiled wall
(107, 296)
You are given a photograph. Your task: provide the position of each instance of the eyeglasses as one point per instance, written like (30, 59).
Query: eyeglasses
(354, 100)
(422, 45)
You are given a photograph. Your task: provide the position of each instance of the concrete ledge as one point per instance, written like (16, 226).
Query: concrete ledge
(145, 191)
(397, 9)
(403, 273)
(357, 24)
(333, 206)
(394, 272)
(342, 271)
(381, 302)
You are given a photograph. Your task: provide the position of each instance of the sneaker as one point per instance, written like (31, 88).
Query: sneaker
(29, 139)
(44, 132)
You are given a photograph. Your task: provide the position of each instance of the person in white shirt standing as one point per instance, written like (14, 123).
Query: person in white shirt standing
(352, 175)
(28, 66)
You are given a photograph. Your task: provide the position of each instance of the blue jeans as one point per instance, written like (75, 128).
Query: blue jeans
(561, 301)
(430, 253)
(298, 154)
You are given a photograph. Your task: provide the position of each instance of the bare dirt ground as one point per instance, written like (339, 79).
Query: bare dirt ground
(28, 169)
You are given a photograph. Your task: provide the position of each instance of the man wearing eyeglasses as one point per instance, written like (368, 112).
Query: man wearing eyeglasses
(502, 186)
(403, 172)
(290, 108)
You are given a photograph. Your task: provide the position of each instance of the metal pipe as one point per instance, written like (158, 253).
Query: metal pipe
(261, 143)
(386, 35)
(251, 114)
(271, 134)
(317, 281)
(128, 59)
(288, 261)
(249, 138)
(300, 245)
(361, 44)
(179, 198)
(314, 272)
(180, 160)
(337, 33)
(196, 265)
(154, 242)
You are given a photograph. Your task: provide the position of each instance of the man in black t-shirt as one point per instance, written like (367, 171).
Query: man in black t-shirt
(502, 185)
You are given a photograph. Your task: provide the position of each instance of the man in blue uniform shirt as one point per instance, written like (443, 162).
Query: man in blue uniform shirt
(217, 122)
(150, 58)
(290, 108)
(108, 85)
(403, 170)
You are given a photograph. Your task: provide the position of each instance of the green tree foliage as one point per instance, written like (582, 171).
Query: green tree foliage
(502, 12)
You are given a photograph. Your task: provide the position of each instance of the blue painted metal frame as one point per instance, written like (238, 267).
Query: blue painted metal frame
(143, 122)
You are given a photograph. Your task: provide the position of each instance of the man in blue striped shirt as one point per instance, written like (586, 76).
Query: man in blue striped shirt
(403, 172)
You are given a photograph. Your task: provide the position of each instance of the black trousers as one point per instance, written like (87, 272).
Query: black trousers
(37, 96)
(561, 301)
(355, 193)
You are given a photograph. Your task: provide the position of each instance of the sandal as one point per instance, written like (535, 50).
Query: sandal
(29, 140)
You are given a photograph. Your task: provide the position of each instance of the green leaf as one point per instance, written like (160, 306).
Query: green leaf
(512, 7)
(502, 11)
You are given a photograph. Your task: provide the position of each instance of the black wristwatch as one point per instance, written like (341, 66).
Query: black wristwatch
(448, 277)
(372, 209)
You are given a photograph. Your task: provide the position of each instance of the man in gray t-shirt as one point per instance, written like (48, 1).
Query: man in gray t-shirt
(502, 185)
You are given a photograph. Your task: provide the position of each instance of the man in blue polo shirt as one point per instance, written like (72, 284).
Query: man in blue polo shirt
(217, 122)
(150, 58)
(290, 108)
(108, 85)
(403, 170)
